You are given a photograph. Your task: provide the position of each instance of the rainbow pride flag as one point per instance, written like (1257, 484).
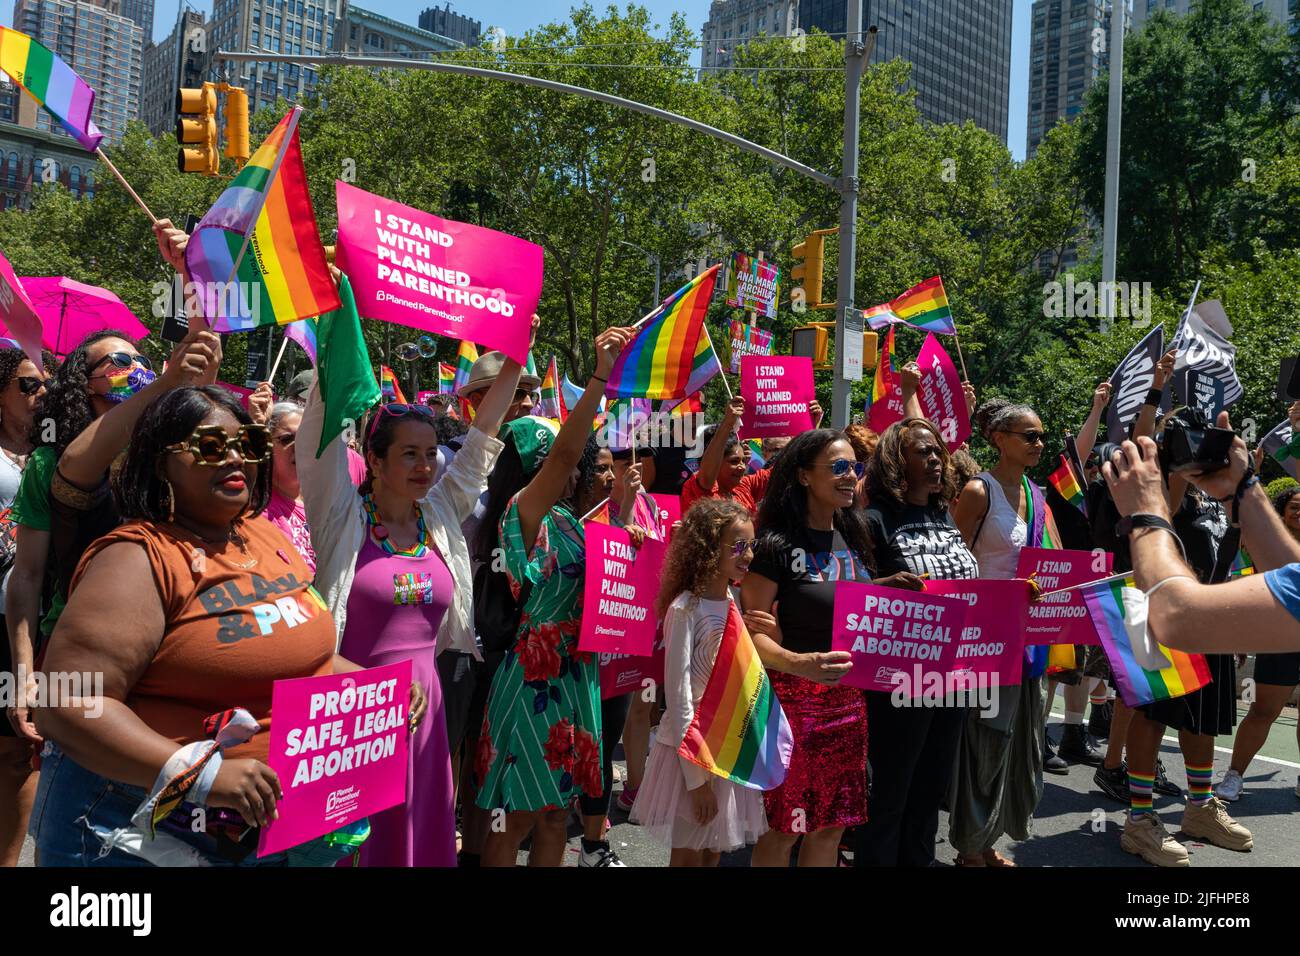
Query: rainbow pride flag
(1118, 610)
(550, 405)
(666, 359)
(1066, 485)
(885, 403)
(923, 306)
(466, 356)
(52, 83)
(304, 333)
(1241, 565)
(446, 378)
(282, 275)
(739, 731)
(689, 405)
(756, 460)
(389, 388)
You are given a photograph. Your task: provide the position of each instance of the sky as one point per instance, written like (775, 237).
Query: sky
(514, 16)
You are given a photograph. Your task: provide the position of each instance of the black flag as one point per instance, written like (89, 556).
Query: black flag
(1205, 371)
(1130, 383)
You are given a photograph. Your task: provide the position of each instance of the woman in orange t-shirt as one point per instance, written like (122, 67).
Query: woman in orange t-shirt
(194, 606)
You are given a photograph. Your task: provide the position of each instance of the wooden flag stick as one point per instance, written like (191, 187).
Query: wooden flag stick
(99, 154)
(283, 342)
(593, 511)
(957, 339)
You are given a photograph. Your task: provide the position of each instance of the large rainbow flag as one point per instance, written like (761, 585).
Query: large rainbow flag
(739, 730)
(550, 405)
(666, 358)
(1066, 485)
(885, 403)
(52, 83)
(282, 274)
(923, 306)
(1118, 610)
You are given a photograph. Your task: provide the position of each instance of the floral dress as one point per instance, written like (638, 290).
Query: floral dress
(539, 748)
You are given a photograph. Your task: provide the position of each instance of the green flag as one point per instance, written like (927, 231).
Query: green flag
(347, 383)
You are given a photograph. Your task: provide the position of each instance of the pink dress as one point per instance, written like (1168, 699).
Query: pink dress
(291, 518)
(395, 608)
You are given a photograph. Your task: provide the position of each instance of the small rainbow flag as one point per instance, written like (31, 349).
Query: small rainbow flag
(1066, 485)
(304, 333)
(884, 404)
(466, 356)
(389, 388)
(446, 378)
(756, 460)
(122, 385)
(1241, 565)
(282, 274)
(739, 731)
(52, 83)
(1118, 610)
(666, 358)
(550, 405)
(923, 306)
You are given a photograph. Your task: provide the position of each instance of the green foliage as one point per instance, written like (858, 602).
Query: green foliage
(1279, 485)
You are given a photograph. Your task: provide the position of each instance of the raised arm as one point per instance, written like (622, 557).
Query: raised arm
(711, 461)
(1088, 433)
(910, 381)
(492, 410)
(549, 483)
(1145, 424)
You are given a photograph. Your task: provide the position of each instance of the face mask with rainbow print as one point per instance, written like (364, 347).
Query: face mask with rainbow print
(122, 385)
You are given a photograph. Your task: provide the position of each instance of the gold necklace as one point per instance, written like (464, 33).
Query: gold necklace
(232, 537)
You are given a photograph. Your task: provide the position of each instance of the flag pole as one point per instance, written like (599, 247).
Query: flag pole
(99, 154)
(283, 342)
(957, 340)
(704, 327)
(1087, 584)
(593, 510)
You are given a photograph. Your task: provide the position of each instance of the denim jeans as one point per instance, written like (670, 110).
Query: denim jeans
(73, 806)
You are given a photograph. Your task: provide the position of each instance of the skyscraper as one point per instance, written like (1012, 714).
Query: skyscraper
(104, 48)
(732, 22)
(446, 22)
(367, 33)
(140, 11)
(960, 51)
(1280, 10)
(179, 59)
(1067, 50)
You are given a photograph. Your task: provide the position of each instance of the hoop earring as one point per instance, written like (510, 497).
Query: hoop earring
(171, 501)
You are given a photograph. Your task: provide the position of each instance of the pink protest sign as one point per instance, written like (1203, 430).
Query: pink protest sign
(940, 393)
(621, 673)
(777, 390)
(422, 397)
(895, 634)
(1061, 618)
(338, 745)
(619, 593)
(993, 634)
(17, 314)
(670, 511)
(450, 278)
(238, 391)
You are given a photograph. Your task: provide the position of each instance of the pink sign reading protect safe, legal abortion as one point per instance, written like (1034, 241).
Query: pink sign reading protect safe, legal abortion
(993, 636)
(450, 278)
(777, 390)
(619, 593)
(889, 632)
(338, 745)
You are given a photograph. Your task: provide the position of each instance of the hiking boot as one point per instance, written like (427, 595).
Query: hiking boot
(1163, 784)
(1099, 720)
(1145, 836)
(1051, 762)
(1210, 823)
(1077, 746)
(1113, 783)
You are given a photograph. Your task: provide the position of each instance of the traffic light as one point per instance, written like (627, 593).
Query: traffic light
(807, 272)
(811, 341)
(236, 123)
(196, 130)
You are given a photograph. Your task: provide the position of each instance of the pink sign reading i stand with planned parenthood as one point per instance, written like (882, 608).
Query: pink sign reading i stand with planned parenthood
(619, 593)
(451, 278)
(622, 673)
(891, 632)
(777, 390)
(338, 745)
(1061, 618)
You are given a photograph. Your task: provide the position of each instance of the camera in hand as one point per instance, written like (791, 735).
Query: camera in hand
(1191, 443)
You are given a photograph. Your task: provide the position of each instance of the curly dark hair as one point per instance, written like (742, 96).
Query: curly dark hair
(66, 401)
(1284, 498)
(783, 515)
(10, 359)
(138, 485)
(696, 549)
(887, 470)
(449, 428)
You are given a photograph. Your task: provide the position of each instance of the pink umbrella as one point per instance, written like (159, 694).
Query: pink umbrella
(71, 310)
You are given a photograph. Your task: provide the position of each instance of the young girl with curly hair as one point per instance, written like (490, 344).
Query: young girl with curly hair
(697, 813)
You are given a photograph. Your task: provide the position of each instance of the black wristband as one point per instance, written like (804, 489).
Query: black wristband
(603, 381)
(1154, 396)
(1248, 479)
(1131, 523)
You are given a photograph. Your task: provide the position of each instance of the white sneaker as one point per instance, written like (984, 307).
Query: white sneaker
(1229, 788)
(601, 856)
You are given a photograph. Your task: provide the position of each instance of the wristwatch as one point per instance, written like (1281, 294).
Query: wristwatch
(1128, 525)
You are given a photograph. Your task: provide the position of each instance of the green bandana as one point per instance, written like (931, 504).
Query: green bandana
(533, 438)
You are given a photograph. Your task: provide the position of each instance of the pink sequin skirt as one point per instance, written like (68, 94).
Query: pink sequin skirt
(826, 785)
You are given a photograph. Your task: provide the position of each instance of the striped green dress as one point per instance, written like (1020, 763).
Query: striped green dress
(539, 748)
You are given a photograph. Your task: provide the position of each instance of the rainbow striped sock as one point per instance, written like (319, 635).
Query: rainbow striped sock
(1139, 792)
(1198, 783)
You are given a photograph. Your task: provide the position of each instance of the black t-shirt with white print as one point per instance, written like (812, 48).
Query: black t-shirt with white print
(919, 538)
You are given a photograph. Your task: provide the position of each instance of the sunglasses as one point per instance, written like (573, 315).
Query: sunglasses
(842, 466)
(29, 384)
(210, 445)
(401, 410)
(124, 360)
(1031, 437)
(740, 547)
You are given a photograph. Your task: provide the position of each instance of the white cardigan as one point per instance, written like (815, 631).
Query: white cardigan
(337, 520)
